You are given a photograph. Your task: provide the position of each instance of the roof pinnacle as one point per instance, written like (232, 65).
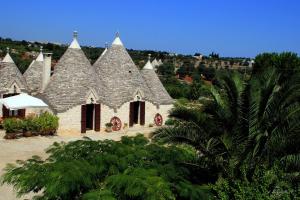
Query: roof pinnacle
(7, 58)
(75, 34)
(117, 40)
(149, 56)
(75, 44)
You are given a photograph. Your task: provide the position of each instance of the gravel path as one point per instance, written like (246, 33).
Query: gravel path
(24, 148)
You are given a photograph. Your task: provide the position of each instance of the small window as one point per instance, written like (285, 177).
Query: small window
(129, 71)
(13, 113)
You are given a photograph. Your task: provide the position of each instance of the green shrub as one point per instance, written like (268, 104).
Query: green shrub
(47, 123)
(108, 125)
(133, 168)
(30, 124)
(268, 184)
(13, 125)
(44, 124)
(169, 122)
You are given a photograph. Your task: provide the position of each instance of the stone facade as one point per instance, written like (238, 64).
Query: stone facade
(69, 121)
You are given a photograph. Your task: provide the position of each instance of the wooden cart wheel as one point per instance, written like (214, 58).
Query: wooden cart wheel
(158, 119)
(116, 123)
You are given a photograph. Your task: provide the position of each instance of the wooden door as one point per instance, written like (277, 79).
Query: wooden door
(131, 113)
(83, 119)
(5, 112)
(142, 113)
(97, 117)
(21, 113)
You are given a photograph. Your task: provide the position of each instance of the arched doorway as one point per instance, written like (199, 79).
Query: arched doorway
(90, 117)
(137, 113)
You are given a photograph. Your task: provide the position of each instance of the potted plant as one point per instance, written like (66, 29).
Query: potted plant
(108, 127)
(48, 124)
(28, 125)
(13, 127)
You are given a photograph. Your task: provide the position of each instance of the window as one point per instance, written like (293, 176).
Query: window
(13, 113)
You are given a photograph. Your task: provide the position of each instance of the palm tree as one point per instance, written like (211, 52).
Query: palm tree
(254, 121)
(210, 129)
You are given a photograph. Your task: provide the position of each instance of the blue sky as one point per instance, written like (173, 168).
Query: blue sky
(228, 27)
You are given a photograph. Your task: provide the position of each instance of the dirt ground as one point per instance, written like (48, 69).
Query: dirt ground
(24, 148)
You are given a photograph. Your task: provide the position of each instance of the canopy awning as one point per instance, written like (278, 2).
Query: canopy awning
(22, 101)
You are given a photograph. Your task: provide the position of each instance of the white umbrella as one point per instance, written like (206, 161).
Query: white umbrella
(22, 101)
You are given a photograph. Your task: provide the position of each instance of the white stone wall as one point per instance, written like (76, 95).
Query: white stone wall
(70, 121)
(36, 111)
(108, 113)
(152, 110)
(123, 113)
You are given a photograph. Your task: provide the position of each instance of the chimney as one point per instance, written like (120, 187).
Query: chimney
(46, 70)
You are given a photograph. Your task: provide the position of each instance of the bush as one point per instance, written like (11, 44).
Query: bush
(13, 125)
(169, 122)
(108, 125)
(268, 184)
(45, 124)
(132, 168)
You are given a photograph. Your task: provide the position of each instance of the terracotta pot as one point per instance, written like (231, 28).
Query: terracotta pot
(35, 133)
(10, 136)
(108, 129)
(27, 134)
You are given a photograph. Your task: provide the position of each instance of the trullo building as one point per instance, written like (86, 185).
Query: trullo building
(86, 97)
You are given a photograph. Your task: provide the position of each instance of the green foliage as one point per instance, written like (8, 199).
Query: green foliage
(108, 125)
(208, 72)
(99, 195)
(178, 91)
(268, 184)
(166, 70)
(132, 168)
(195, 91)
(250, 122)
(169, 122)
(45, 123)
(13, 125)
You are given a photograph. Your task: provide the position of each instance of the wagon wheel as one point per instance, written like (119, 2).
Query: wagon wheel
(116, 123)
(158, 120)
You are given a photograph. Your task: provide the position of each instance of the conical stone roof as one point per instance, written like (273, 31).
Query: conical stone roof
(155, 63)
(121, 76)
(9, 73)
(72, 81)
(154, 84)
(34, 74)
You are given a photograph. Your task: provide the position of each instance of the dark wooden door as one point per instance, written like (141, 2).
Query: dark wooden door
(21, 113)
(89, 116)
(131, 114)
(5, 112)
(97, 117)
(142, 113)
(83, 119)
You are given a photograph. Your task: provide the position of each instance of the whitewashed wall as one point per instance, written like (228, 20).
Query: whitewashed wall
(70, 121)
